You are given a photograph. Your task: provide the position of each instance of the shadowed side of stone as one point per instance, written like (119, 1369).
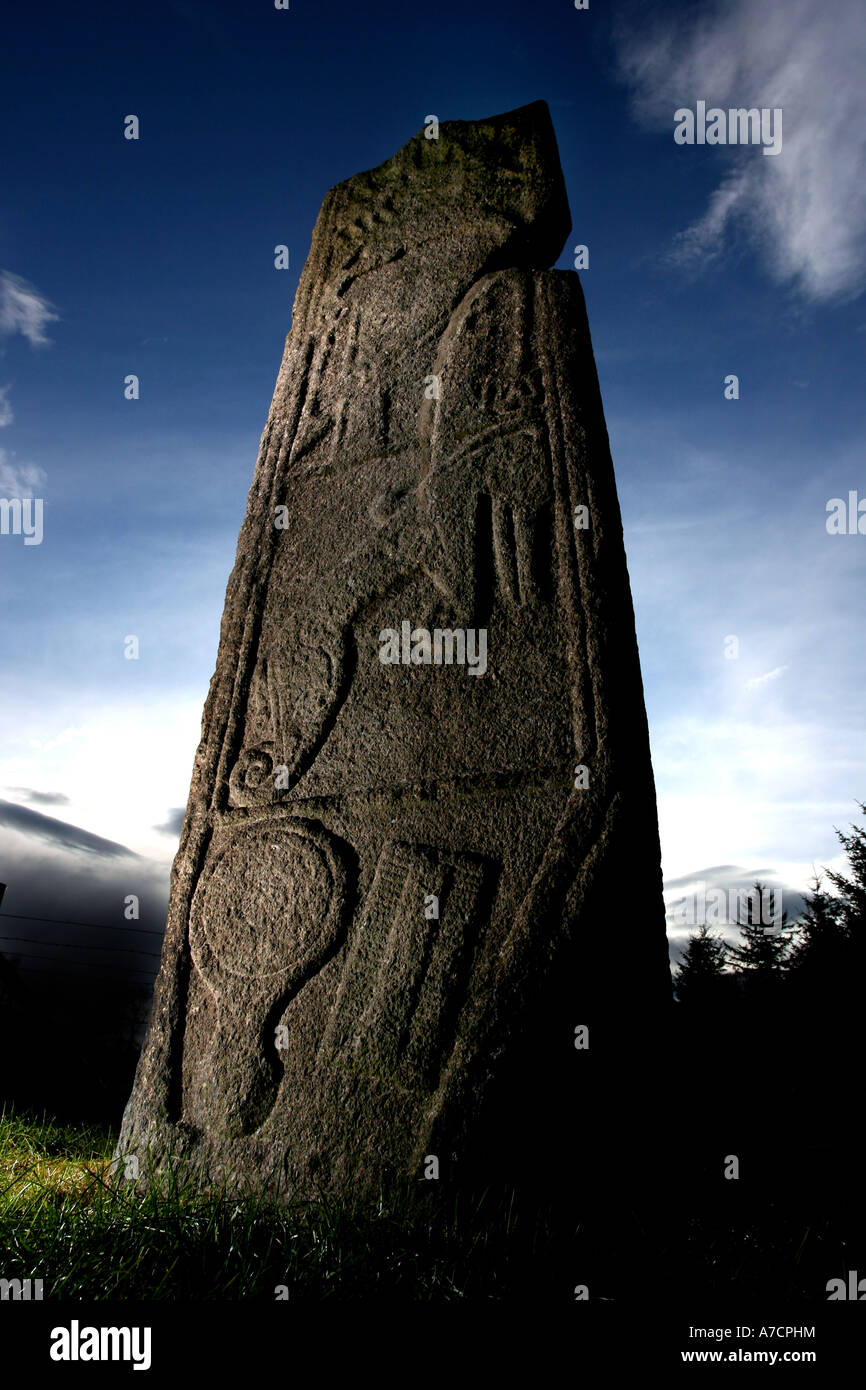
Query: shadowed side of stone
(424, 772)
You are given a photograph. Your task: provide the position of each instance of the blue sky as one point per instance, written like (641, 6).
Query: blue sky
(156, 257)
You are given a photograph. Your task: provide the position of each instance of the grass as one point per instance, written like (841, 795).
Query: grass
(65, 1219)
(42, 1160)
(89, 1235)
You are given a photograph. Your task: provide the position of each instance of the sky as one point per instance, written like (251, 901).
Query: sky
(155, 257)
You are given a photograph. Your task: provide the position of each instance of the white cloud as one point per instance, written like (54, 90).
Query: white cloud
(123, 763)
(806, 207)
(24, 310)
(6, 416)
(18, 480)
(773, 675)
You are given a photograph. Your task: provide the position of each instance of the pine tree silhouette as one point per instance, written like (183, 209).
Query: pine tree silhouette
(702, 966)
(766, 939)
(829, 954)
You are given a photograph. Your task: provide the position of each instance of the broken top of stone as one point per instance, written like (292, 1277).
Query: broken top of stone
(499, 177)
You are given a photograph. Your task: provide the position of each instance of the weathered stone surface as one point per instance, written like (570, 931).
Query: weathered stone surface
(435, 425)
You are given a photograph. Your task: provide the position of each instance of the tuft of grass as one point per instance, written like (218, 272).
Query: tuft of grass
(41, 1160)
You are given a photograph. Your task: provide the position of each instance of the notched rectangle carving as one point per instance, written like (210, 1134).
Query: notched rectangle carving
(405, 972)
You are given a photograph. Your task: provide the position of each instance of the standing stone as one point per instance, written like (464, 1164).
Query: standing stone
(421, 845)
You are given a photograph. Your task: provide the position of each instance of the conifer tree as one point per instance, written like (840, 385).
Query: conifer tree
(765, 941)
(831, 934)
(703, 964)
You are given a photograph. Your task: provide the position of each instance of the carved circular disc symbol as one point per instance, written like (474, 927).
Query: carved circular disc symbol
(267, 904)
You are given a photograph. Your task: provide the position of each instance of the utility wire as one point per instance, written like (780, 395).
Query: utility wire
(76, 946)
(64, 922)
(30, 955)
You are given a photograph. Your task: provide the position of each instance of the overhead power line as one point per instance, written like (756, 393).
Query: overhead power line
(78, 946)
(30, 955)
(64, 922)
